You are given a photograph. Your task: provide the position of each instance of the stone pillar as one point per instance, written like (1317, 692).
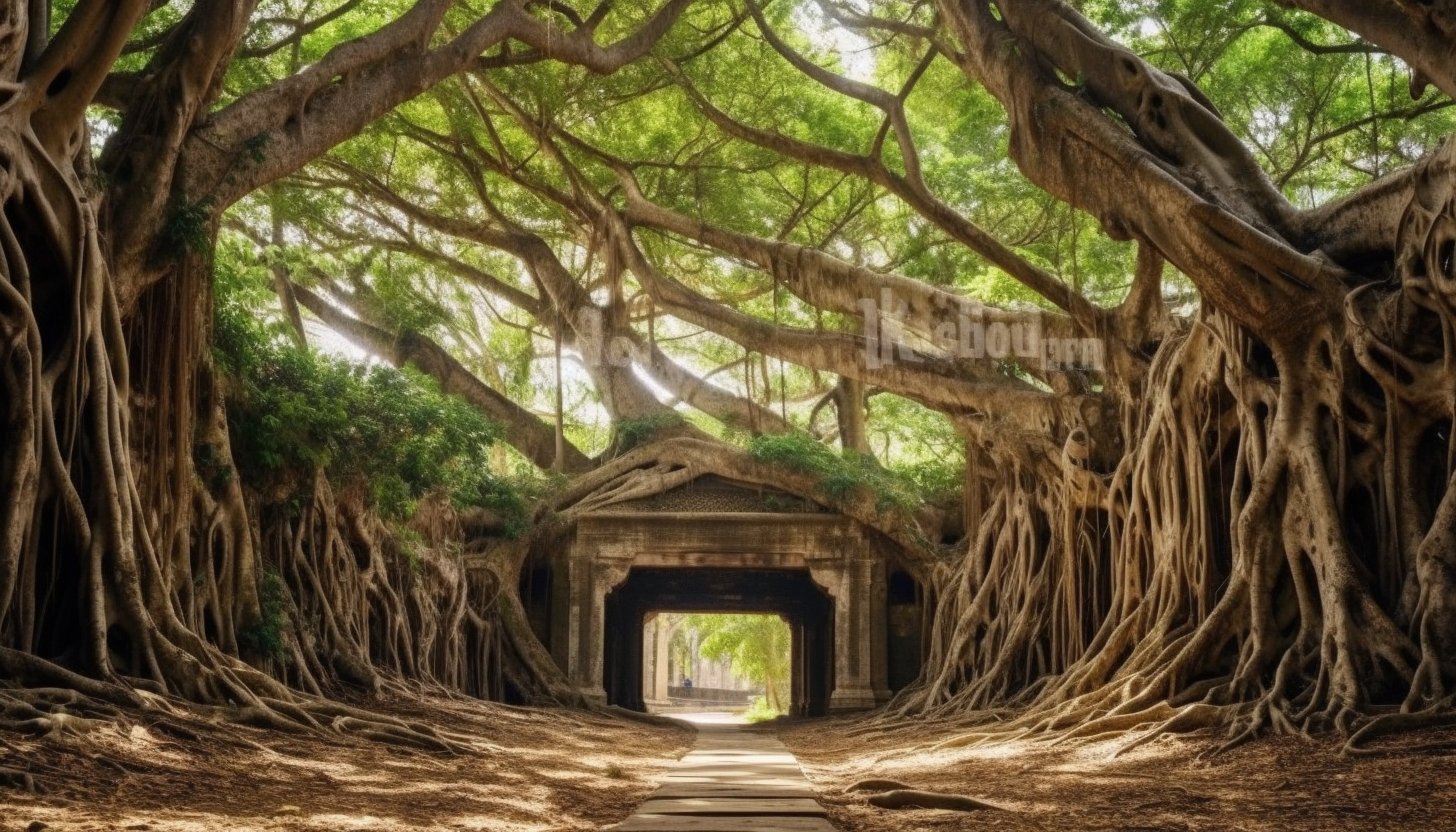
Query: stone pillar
(591, 579)
(650, 636)
(629, 691)
(661, 678)
(879, 642)
(849, 581)
(799, 669)
(561, 633)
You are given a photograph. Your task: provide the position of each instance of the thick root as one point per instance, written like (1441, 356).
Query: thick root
(875, 785)
(918, 799)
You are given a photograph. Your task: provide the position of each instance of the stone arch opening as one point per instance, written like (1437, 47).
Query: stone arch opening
(789, 593)
(844, 587)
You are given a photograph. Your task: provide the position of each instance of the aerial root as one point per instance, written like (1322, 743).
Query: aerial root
(17, 779)
(638, 716)
(174, 729)
(1266, 716)
(1119, 724)
(56, 725)
(384, 732)
(52, 713)
(25, 667)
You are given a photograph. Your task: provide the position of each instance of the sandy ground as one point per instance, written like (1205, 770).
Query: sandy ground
(537, 770)
(1277, 785)
(529, 771)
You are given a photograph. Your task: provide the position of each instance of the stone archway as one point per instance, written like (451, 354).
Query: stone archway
(792, 594)
(716, 524)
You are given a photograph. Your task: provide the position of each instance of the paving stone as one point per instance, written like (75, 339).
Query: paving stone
(731, 806)
(750, 823)
(732, 781)
(738, 789)
(739, 760)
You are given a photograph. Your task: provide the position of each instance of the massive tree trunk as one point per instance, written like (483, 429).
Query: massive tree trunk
(129, 551)
(1275, 549)
(81, 579)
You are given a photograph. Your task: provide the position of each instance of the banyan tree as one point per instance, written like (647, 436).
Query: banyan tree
(1132, 322)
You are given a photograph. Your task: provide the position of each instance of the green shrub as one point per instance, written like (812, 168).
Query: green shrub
(292, 411)
(264, 638)
(839, 474)
(632, 433)
(186, 230)
(759, 710)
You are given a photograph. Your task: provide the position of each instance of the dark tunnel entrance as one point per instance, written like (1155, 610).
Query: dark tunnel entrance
(790, 593)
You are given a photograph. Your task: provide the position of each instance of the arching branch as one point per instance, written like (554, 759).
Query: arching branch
(948, 220)
(524, 430)
(1420, 33)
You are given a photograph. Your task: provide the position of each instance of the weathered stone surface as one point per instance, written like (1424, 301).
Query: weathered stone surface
(845, 568)
(740, 779)
(749, 823)
(731, 806)
(731, 789)
(732, 781)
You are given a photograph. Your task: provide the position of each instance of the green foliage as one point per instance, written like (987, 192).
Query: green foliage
(211, 466)
(411, 545)
(632, 433)
(257, 147)
(839, 474)
(292, 411)
(401, 303)
(188, 228)
(757, 646)
(264, 637)
(1320, 124)
(759, 710)
(919, 444)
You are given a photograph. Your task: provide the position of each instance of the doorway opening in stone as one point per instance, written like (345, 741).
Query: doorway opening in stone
(788, 593)
(734, 662)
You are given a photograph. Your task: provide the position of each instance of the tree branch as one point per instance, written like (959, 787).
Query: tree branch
(524, 430)
(1421, 34)
(1179, 183)
(936, 383)
(64, 78)
(948, 220)
(723, 405)
(305, 115)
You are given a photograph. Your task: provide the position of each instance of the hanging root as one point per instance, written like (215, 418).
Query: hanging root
(1256, 561)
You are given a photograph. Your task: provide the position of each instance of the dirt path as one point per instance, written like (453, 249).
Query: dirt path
(1276, 785)
(530, 770)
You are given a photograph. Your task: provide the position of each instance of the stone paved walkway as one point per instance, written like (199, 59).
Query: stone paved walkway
(732, 781)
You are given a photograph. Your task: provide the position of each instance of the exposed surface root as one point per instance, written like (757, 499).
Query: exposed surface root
(512, 767)
(875, 784)
(1273, 783)
(919, 799)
